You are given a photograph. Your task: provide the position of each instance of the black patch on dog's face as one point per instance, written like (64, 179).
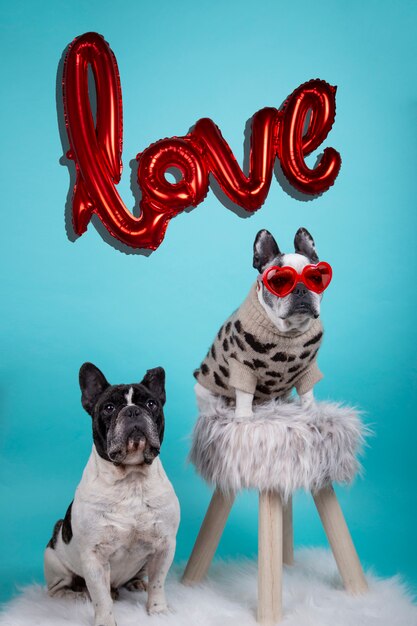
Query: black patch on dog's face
(124, 412)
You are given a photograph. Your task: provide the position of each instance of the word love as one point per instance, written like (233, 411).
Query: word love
(288, 134)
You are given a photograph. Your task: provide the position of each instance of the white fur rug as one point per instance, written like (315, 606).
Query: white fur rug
(313, 596)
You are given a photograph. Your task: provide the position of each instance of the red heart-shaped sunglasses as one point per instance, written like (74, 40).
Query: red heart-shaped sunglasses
(281, 280)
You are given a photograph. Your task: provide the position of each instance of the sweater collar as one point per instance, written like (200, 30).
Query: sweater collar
(254, 317)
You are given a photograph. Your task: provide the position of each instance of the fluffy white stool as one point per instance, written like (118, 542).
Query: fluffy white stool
(280, 449)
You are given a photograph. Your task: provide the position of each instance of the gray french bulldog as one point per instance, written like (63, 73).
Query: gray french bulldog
(270, 343)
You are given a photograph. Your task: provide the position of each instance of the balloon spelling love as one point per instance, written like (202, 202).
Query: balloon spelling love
(96, 149)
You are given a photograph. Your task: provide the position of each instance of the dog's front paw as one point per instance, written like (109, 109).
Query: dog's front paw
(307, 400)
(157, 608)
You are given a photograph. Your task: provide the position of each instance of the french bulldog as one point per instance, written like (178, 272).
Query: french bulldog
(270, 344)
(124, 517)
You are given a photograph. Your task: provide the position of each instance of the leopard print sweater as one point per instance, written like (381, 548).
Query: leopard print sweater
(249, 353)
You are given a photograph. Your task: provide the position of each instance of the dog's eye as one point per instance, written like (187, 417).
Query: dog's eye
(151, 404)
(108, 408)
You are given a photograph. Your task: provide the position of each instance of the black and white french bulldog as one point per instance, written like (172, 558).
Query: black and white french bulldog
(269, 345)
(123, 521)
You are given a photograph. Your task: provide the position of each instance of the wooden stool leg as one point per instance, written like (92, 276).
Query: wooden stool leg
(270, 559)
(208, 538)
(340, 541)
(288, 534)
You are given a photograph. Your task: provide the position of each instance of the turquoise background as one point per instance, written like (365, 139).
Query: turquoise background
(66, 302)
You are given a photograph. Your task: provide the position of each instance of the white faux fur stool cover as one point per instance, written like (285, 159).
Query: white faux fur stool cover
(281, 448)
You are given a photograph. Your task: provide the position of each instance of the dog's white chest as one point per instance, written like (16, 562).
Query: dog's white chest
(140, 513)
(127, 519)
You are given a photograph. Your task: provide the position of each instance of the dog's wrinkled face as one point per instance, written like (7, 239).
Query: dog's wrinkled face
(128, 420)
(295, 312)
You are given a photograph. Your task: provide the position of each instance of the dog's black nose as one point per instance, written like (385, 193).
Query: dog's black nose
(300, 290)
(132, 411)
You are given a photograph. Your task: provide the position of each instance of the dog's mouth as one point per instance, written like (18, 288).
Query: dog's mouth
(133, 442)
(301, 313)
(303, 308)
(136, 451)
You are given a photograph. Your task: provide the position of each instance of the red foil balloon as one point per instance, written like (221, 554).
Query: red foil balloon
(182, 154)
(97, 150)
(318, 98)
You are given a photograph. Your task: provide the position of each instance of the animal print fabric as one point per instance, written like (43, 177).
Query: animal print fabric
(249, 353)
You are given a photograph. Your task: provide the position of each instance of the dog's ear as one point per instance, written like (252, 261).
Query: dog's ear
(304, 244)
(154, 380)
(92, 383)
(265, 248)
